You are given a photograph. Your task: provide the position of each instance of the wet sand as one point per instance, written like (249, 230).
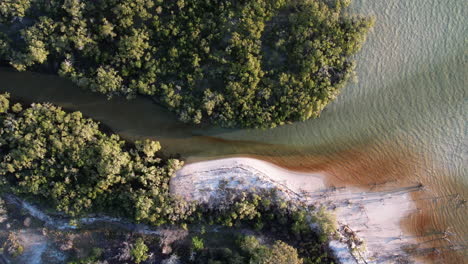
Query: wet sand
(348, 156)
(439, 223)
(374, 216)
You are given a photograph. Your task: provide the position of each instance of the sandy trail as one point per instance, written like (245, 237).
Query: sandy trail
(38, 249)
(373, 216)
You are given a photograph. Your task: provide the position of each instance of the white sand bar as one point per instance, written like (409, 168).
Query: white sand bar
(200, 181)
(373, 216)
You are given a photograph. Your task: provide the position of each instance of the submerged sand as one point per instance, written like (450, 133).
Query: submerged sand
(374, 217)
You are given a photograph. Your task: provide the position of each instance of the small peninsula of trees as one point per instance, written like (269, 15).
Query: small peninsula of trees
(233, 63)
(66, 161)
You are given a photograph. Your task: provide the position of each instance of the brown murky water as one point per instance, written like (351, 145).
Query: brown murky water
(403, 124)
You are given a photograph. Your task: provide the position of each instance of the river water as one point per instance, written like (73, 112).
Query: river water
(403, 122)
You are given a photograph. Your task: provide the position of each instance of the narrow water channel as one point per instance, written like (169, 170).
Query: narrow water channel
(404, 121)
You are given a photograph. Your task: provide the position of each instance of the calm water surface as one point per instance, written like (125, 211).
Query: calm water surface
(403, 122)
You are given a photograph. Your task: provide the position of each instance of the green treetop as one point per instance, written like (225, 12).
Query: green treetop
(234, 63)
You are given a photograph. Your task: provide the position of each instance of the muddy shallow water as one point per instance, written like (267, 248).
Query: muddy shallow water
(404, 122)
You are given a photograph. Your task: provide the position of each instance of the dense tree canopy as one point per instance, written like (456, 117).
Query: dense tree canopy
(248, 249)
(234, 63)
(65, 158)
(279, 253)
(67, 161)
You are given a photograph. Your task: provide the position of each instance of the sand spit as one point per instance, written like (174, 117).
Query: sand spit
(201, 181)
(371, 217)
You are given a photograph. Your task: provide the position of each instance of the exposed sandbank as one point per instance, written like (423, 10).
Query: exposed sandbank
(372, 216)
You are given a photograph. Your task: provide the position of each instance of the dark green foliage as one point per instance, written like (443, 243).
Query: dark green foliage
(94, 257)
(220, 255)
(66, 159)
(4, 103)
(286, 220)
(235, 63)
(248, 249)
(10, 9)
(279, 253)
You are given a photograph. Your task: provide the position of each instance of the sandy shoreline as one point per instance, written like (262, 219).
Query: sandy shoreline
(373, 216)
(197, 181)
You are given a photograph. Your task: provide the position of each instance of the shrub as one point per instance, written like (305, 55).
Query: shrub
(197, 243)
(139, 251)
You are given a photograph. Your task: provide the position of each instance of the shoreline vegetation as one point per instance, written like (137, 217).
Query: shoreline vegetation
(127, 48)
(64, 163)
(230, 63)
(233, 193)
(368, 222)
